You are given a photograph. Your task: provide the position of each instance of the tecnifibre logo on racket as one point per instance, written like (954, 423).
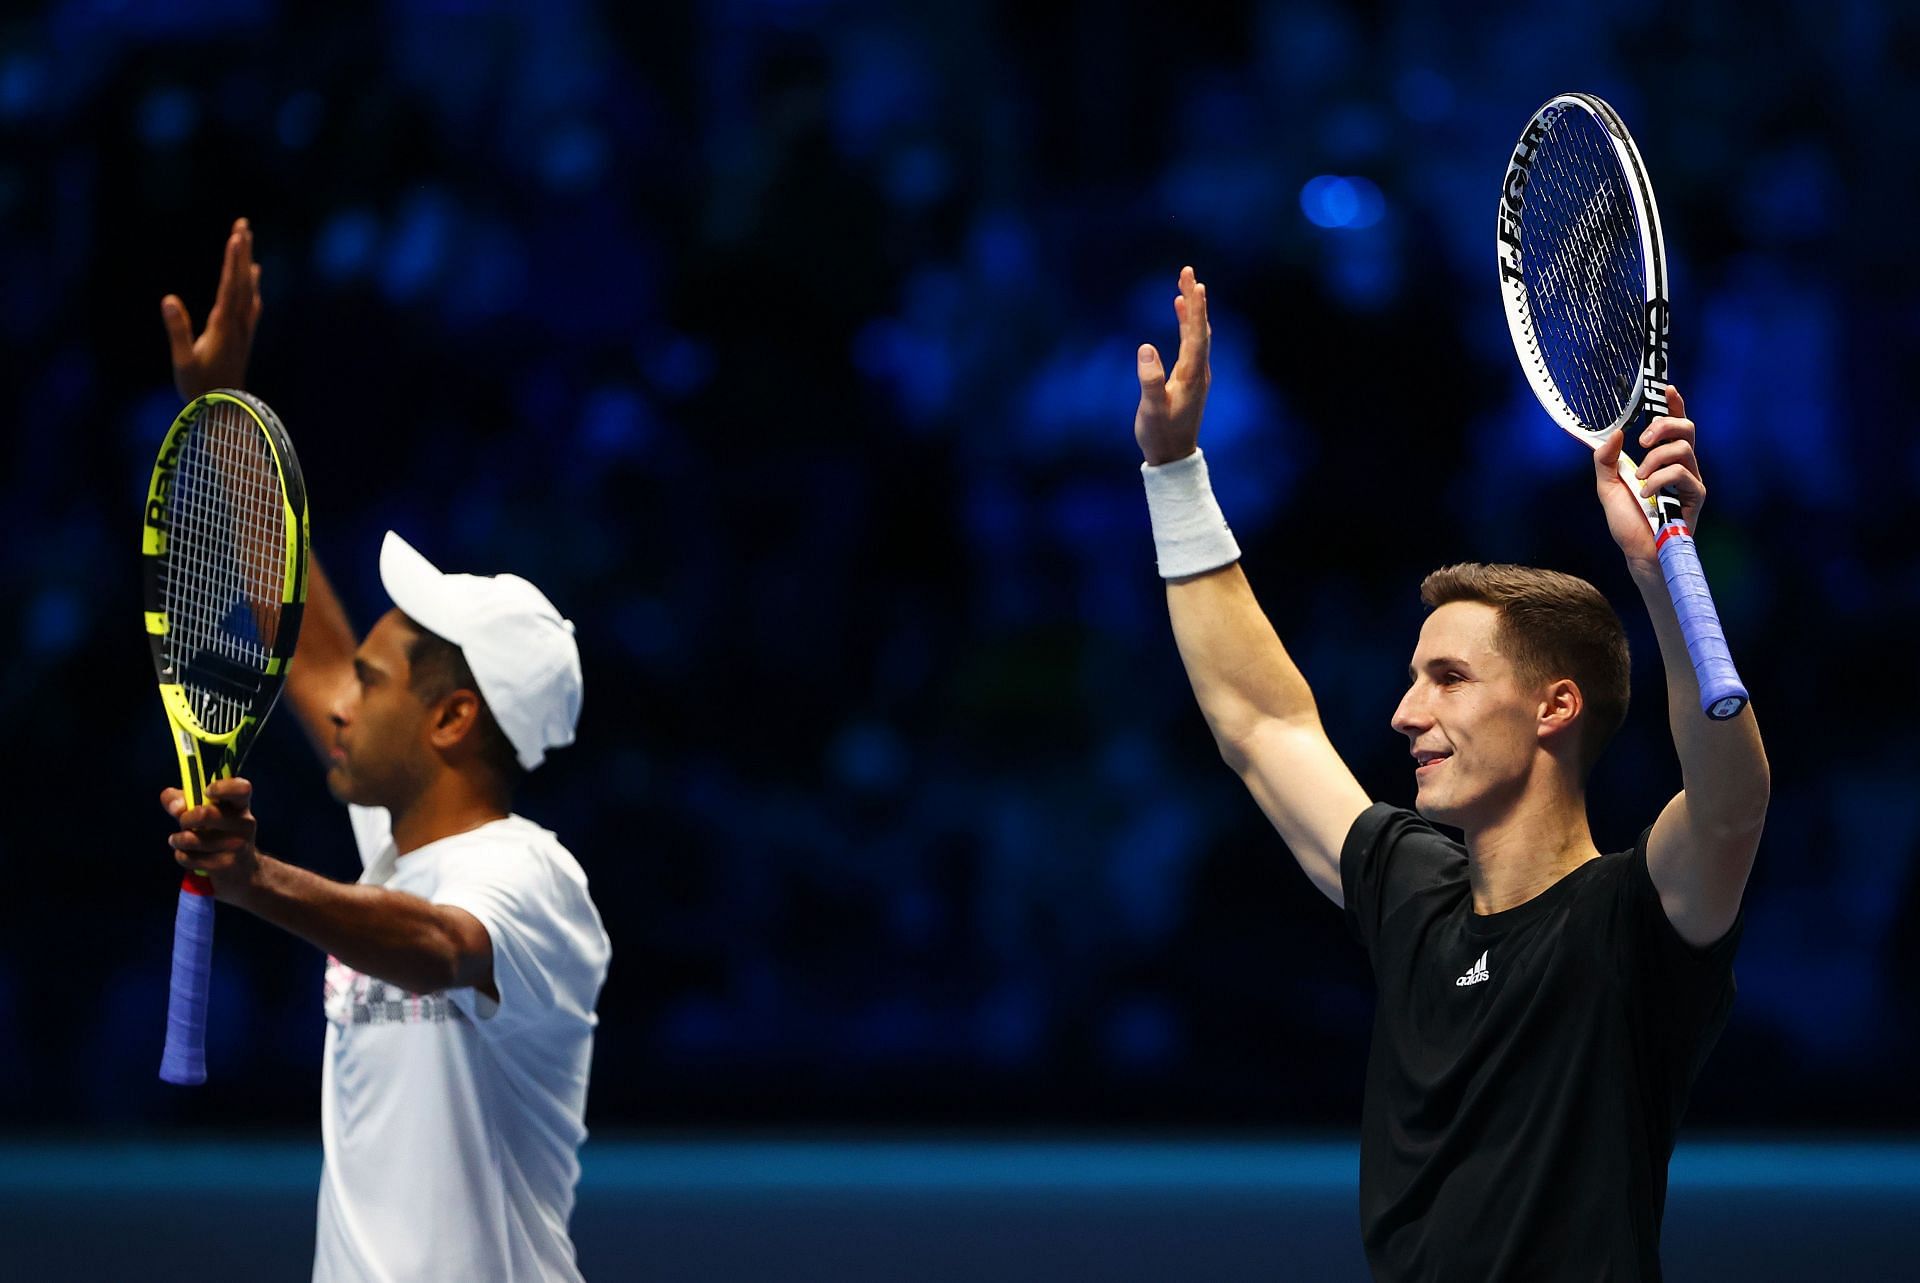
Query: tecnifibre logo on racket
(1654, 365)
(1514, 193)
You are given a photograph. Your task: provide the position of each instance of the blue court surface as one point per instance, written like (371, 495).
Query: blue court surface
(934, 1211)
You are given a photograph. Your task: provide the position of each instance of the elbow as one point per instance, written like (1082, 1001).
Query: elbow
(1245, 744)
(428, 974)
(1759, 795)
(1760, 792)
(422, 973)
(467, 952)
(1736, 827)
(438, 962)
(1729, 802)
(448, 973)
(455, 967)
(1236, 748)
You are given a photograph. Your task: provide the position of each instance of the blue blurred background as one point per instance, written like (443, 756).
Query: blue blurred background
(788, 345)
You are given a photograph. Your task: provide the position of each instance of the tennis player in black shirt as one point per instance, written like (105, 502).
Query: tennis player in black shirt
(1543, 1009)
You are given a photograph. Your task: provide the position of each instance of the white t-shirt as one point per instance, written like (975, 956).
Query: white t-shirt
(451, 1122)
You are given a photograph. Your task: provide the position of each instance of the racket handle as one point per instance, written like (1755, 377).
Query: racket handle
(1721, 694)
(184, 1061)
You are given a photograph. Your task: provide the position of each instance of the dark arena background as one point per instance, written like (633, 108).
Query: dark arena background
(788, 345)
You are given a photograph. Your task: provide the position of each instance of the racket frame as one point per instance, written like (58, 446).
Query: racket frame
(1649, 393)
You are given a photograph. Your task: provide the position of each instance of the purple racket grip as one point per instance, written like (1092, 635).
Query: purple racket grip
(1721, 694)
(184, 1061)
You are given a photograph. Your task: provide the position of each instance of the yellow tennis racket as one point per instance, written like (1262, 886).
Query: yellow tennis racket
(225, 549)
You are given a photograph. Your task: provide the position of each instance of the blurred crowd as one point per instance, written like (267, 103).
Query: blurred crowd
(788, 345)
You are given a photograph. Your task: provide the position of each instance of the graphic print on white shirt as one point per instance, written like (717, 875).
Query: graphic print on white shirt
(350, 998)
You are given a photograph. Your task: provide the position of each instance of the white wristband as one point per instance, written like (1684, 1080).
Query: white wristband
(1190, 534)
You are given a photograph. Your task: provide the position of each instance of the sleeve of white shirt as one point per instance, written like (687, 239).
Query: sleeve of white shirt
(549, 949)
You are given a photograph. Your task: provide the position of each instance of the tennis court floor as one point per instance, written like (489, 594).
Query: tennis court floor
(933, 1211)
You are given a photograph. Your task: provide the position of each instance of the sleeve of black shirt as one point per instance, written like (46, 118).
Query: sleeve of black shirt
(1389, 855)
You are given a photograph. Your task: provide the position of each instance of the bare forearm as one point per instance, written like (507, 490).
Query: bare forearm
(322, 660)
(1242, 675)
(390, 935)
(1723, 765)
(326, 636)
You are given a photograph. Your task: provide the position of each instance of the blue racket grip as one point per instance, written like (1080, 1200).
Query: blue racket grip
(185, 1059)
(1721, 694)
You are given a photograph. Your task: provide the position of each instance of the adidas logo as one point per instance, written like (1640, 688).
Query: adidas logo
(1476, 974)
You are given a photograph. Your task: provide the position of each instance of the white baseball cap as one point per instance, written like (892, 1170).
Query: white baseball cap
(520, 648)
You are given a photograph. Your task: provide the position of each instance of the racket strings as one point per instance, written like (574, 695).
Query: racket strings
(1581, 264)
(225, 565)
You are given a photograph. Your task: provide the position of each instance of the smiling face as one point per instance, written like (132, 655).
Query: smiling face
(381, 754)
(1472, 723)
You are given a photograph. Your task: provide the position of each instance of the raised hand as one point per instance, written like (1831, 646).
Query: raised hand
(218, 358)
(1167, 424)
(1670, 463)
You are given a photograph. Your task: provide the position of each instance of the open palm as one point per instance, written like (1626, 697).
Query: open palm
(218, 358)
(1167, 424)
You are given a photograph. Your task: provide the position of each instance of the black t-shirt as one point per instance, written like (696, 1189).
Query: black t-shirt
(1529, 1068)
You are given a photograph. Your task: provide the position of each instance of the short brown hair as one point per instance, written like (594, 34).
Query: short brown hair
(1550, 626)
(436, 669)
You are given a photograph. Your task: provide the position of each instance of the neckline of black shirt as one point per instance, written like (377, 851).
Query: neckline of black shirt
(1499, 924)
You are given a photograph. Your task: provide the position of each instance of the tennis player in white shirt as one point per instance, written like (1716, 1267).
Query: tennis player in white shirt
(464, 966)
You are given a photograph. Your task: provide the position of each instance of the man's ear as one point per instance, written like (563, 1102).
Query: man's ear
(455, 719)
(1560, 707)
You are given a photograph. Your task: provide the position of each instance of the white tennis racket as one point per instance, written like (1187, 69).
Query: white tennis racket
(1583, 276)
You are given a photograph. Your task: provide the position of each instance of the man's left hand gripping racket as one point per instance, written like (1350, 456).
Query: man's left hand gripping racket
(1583, 275)
(225, 549)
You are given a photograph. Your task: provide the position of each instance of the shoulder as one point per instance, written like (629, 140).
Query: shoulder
(1612, 870)
(1657, 922)
(1599, 893)
(540, 847)
(1393, 858)
(517, 866)
(1621, 893)
(1384, 830)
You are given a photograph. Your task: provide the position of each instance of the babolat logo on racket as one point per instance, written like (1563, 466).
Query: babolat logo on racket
(163, 468)
(157, 503)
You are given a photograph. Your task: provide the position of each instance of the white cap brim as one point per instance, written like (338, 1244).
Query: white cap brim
(419, 589)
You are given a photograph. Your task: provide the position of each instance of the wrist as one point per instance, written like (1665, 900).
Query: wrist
(241, 885)
(1647, 575)
(1190, 533)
